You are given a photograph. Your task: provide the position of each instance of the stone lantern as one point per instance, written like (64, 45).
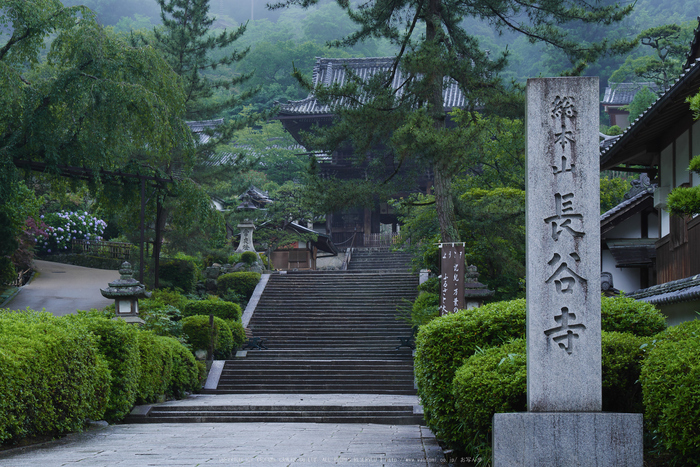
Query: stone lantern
(126, 292)
(247, 227)
(474, 291)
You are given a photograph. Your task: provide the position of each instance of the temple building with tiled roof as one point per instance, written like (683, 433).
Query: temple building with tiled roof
(661, 142)
(359, 226)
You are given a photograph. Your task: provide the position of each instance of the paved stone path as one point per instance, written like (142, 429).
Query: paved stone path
(63, 288)
(236, 444)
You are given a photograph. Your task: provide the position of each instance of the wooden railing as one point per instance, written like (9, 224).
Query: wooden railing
(119, 250)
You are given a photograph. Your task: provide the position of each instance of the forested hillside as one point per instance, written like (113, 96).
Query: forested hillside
(283, 38)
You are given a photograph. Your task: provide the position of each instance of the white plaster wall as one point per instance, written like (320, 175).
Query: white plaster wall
(625, 279)
(631, 228)
(677, 313)
(653, 226)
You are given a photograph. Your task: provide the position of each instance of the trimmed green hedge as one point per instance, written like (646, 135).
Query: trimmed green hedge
(494, 381)
(671, 390)
(117, 343)
(59, 372)
(623, 314)
(196, 328)
(237, 333)
(185, 374)
(219, 308)
(622, 357)
(53, 377)
(240, 283)
(156, 367)
(444, 343)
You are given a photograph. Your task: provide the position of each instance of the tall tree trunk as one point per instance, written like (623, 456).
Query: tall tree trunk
(161, 215)
(442, 181)
(442, 177)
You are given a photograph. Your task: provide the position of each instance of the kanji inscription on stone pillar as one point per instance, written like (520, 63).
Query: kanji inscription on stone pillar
(563, 246)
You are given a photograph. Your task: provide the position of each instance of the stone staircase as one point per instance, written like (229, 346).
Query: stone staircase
(331, 333)
(327, 332)
(387, 415)
(379, 259)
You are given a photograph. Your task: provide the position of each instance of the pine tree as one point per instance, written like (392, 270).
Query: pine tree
(434, 50)
(188, 46)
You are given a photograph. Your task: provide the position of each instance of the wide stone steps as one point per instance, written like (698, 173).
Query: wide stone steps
(367, 260)
(389, 415)
(330, 334)
(327, 333)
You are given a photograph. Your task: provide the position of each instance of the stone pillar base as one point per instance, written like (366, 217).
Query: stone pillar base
(561, 439)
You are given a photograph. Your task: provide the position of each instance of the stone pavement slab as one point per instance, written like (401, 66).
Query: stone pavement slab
(63, 288)
(236, 444)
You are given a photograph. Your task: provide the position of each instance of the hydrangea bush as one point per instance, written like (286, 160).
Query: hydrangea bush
(64, 227)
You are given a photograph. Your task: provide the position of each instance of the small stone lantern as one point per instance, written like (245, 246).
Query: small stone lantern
(474, 291)
(247, 227)
(126, 292)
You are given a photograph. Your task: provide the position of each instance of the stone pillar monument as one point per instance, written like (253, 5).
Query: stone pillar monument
(564, 425)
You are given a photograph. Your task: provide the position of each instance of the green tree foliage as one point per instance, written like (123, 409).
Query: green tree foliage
(642, 100)
(669, 44)
(411, 126)
(188, 45)
(88, 100)
(612, 192)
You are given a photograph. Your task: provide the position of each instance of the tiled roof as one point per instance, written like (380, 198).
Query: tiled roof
(199, 127)
(622, 206)
(623, 93)
(658, 117)
(329, 71)
(648, 128)
(641, 189)
(682, 290)
(607, 141)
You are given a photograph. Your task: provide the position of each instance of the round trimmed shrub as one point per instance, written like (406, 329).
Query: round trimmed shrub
(117, 343)
(623, 314)
(494, 381)
(185, 374)
(671, 391)
(240, 283)
(219, 308)
(444, 343)
(489, 382)
(156, 366)
(249, 257)
(196, 328)
(53, 377)
(622, 357)
(178, 273)
(237, 333)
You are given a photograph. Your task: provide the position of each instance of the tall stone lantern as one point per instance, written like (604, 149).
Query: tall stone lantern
(247, 227)
(126, 292)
